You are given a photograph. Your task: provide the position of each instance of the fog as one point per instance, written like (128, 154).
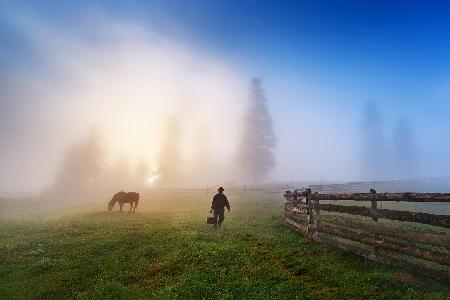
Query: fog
(124, 106)
(131, 86)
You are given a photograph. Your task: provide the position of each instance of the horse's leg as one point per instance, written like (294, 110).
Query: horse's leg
(131, 207)
(136, 204)
(121, 205)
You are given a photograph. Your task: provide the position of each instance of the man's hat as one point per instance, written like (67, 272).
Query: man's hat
(221, 189)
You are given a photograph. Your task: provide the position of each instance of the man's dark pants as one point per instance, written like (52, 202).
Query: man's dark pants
(219, 215)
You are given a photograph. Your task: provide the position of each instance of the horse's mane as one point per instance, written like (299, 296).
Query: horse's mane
(115, 197)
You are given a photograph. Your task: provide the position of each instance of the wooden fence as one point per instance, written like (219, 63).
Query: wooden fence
(414, 240)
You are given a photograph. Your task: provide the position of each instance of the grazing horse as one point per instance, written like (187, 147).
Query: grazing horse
(123, 197)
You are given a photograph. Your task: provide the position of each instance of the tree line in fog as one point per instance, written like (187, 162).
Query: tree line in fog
(383, 157)
(84, 166)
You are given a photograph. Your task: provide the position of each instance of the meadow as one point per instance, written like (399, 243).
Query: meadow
(58, 249)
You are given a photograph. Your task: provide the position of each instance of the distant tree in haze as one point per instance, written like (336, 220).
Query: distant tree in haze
(405, 158)
(256, 153)
(373, 144)
(142, 172)
(82, 166)
(202, 169)
(169, 161)
(121, 174)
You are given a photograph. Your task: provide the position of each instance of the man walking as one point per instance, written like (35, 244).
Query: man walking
(218, 205)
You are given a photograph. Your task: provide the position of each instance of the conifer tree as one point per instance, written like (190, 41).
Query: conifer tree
(256, 153)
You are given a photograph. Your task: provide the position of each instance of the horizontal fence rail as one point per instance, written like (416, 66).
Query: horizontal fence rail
(420, 185)
(410, 197)
(414, 240)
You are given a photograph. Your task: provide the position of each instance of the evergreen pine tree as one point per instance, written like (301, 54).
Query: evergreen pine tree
(256, 154)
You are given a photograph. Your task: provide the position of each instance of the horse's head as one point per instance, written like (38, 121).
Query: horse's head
(111, 205)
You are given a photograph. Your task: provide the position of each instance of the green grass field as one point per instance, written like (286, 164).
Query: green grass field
(166, 251)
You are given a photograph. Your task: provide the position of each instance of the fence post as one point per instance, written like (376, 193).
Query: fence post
(312, 217)
(316, 219)
(287, 197)
(374, 216)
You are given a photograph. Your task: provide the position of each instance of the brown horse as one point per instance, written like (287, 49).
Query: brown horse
(123, 197)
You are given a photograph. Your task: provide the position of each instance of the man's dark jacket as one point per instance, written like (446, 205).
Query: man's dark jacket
(219, 202)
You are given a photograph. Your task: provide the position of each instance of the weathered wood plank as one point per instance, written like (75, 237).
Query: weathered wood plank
(299, 208)
(299, 227)
(374, 215)
(295, 205)
(418, 217)
(408, 197)
(439, 275)
(297, 211)
(423, 218)
(368, 239)
(409, 234)
(315, 211)
(354, 210)
(345, 246)
(300, 218)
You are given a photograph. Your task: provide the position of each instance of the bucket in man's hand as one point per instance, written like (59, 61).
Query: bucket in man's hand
(210, 220)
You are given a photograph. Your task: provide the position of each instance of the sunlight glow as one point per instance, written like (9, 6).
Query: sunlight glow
(152, 179)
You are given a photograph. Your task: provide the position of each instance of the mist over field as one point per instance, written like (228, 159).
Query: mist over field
(169, 149)
(125, 97)
(125, 102)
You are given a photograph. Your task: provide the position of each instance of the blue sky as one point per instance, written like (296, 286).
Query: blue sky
(383, 48)
(318, 59)
(401, 34)
(402, 43)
